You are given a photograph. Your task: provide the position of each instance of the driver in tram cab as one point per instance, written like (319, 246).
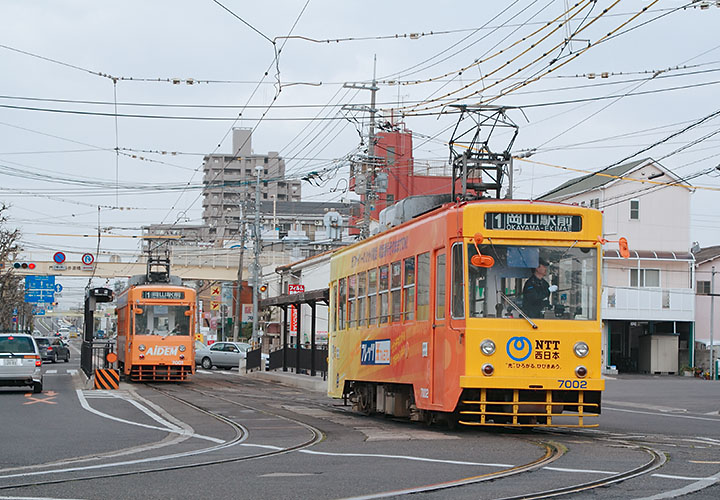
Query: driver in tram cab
(537, 290)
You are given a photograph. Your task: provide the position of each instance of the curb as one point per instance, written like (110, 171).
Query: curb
(306, 382)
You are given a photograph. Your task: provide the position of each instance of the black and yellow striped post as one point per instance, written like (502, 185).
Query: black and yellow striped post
(107, 379)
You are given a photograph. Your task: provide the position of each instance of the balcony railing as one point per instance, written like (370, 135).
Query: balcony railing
(659, 304)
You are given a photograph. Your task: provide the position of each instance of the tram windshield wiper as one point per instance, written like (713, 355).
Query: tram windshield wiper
(515, 306)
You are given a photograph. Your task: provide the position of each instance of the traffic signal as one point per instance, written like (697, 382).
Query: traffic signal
(24, 265)
(263, 288)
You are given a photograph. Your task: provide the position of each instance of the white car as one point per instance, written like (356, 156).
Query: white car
(20, 362)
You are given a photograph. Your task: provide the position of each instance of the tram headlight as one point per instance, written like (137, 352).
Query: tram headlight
(581, 371)
(488, 369)
(487, 347)
(182, 348)
(141, 347)
(581, 349)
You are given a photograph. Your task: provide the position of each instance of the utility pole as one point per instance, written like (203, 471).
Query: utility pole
(256, 263)
(712, 323)
(368, 168)
(238, 304)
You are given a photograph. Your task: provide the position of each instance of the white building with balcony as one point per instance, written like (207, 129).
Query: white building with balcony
(648, 300)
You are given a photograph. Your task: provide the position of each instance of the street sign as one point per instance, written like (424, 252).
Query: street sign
(39, 282)
(58, 288)
(215, 290)
(35, 296)
(40, 312)
(296, 288)
(59, 257)
(214, 305)
(59, 267)
(88, 259)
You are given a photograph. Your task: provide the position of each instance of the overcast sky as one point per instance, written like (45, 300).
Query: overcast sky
(68, 66)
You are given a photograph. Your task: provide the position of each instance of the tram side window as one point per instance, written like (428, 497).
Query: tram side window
(372, 297)
(383, 292)
(333, 299)
(342, 296)
(361, 301)
(352, 310)
(423, 286)
(458, 283)
(440, 286)
(409, 289)
(396, 287)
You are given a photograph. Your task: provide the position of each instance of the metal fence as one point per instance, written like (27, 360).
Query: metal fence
(286, 358)
(93, 356)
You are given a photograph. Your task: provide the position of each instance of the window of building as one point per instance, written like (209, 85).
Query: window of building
(409, 289)
(265, 160)
(372, 297)
(645, 278)
(703, 287)
(595, 203)
(458, 282)
(440, 286)
(390, 155)
(390, 199)
(361, 300)
(383, 283)
(342, 297)
(396, 289)
(634, 209)
(423, 286)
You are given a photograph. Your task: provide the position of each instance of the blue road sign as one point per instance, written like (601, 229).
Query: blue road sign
(41, 312)
(58, 288)
(39, 282)
(35, 296)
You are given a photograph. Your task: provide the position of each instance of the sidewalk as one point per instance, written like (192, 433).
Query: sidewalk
(300, 381)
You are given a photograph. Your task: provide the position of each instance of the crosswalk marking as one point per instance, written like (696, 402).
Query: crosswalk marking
(71, 371)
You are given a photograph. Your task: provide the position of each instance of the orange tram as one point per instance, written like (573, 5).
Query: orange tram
(155, 339)
(439, 318)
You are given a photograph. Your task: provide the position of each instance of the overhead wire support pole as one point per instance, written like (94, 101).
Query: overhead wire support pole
(712, 323)
(256, 262)
(238, 303)
(369, 165)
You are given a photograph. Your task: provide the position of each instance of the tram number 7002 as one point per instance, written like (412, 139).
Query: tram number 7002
(573, 384)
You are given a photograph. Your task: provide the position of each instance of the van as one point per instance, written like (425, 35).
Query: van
(20, 362)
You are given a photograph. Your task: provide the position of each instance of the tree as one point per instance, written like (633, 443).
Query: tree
(11, 289)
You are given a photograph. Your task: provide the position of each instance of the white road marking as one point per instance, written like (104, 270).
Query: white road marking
(672, 415)
(699, 484)
(72, 372)
(50, 372)
(574, 471)
(403, 457)
(686, 478)
(174, 429)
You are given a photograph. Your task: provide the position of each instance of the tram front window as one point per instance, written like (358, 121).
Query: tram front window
(543, 282)
(162, 320)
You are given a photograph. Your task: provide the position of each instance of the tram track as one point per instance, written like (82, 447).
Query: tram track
(241, 434)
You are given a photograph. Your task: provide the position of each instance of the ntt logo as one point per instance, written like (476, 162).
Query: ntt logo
(519, 348)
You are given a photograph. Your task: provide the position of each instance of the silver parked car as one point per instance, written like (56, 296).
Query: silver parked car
(20, 362)
(221, 354)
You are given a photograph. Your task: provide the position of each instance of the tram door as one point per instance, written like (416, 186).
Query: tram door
(439, 322)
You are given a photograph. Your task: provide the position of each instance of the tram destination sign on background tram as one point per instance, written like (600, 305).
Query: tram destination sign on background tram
(533, 222)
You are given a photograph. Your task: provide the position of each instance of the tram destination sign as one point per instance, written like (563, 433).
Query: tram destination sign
(157, 294)
(533, 222)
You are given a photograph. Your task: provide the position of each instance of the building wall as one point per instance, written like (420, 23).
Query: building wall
(664, 213)
(703, 303)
